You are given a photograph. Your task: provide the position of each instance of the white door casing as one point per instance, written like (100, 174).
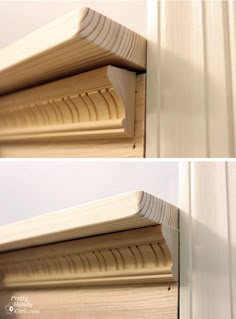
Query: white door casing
(208, 240)
(191, 83)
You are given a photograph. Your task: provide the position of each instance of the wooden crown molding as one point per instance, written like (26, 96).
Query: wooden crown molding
(104, 147)
(133, 256)
(91, 105)
(78, 42)
(52, 249)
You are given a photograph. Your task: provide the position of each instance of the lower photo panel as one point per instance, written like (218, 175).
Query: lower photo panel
(126, 302)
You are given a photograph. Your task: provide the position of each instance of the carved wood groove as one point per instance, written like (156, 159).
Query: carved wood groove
(113, 214)
(136, 256)
(78, 42)
(131, 237)
(95, 104)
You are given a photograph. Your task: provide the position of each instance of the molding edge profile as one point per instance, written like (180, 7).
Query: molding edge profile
(51, 250)
(75, 43)
(134, 256)
(91, 105)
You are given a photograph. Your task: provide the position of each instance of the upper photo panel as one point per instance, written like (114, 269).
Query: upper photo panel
(117, 79)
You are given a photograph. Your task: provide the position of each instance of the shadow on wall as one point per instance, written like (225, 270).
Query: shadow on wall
(205, 276)
(196, 115)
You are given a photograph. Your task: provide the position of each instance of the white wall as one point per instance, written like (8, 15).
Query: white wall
(30, 188)
(208, 240)
(19, 18)
(191, 101)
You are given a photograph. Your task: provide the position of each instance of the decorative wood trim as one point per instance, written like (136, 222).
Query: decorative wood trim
(95, 104)
(77, 42)
(145, 254)
(134, 256)
(105, 147)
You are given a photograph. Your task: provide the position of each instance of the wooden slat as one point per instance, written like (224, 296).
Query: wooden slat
(80, 41)
(124, 302)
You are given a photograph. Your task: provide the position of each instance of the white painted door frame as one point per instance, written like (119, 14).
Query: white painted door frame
(208, 240)
(191, 79)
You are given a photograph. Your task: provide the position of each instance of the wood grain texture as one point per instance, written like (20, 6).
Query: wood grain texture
(80, 41)
(117, 147)
(208, 276)
(133, 256)
(138, 264)
(193, 66)
(117, 213)
(126, 302)
(91, 105)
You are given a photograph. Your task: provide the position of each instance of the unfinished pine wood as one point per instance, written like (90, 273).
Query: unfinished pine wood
(106, 147)
(80, 41)
(133, 256)
(117, 213)
(152, 301)
(92, 105)
(127, 268)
